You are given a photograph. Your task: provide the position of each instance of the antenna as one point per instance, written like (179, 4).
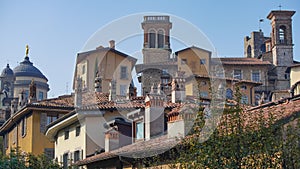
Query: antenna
(259, 24)
(67, 88)
(279, 7)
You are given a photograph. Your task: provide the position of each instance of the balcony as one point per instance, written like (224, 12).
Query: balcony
(156, 18)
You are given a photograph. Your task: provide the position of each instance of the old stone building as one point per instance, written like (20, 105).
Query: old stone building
(276, 49)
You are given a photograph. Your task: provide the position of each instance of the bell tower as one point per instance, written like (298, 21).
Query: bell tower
(282, 45)
(281, 37)
(156, 39)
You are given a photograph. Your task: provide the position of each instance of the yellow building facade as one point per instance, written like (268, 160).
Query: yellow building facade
(25, 129)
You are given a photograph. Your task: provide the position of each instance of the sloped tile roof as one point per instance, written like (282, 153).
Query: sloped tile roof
(139, 149)
(241, 61)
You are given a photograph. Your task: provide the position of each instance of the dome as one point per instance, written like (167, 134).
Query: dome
(7, 72)
(26, 68)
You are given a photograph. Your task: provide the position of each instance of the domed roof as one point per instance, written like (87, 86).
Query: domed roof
(7, 72)
(26, 68)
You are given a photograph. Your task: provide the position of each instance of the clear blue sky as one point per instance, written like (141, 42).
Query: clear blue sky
(57, 30)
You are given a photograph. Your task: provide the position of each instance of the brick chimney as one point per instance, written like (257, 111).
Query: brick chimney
(178, 88)
(112, 44)
(154, 114)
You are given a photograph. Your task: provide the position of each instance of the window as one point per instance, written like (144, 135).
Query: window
(229, 94)
(23, 131)
(282, 34)
(152, 39)
(41, 95)
(204, 94)
(139, 130)
(237, 74)
(165, 71)
(255, 75)
(202, 61)
(51, 119)
(244, 87)
(203, 83)
(66, 134)
(65, 161)
(77, 131)
(123, 90)
(83, 69)
(124, 72)
(160, 39)
(164, 81)
(76, 155)
(244, 99)
(183, 61)
(249, 51)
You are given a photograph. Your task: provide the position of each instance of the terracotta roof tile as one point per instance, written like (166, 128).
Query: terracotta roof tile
(139, 149)
(241, 61)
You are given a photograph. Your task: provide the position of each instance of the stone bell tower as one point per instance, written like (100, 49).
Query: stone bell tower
(282, 45)
(156, 39)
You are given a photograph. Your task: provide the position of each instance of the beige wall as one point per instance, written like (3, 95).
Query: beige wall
(295, 75)
(109, 64)
(193, 66)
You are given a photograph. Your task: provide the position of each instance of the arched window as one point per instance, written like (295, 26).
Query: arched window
(160, 39)
(249, 51)
(152, 39)
(282, 35)
(229, 94)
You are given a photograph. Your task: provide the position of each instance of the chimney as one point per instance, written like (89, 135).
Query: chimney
(112, 44)
(78, 93)
(178, 88)
(112, 90)
(32, 92)
(98, 83)
(154, 115)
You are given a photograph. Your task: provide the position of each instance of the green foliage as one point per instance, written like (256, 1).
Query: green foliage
(264, 144)
(19, 160)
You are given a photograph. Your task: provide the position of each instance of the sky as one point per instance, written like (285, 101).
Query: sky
(57, 30)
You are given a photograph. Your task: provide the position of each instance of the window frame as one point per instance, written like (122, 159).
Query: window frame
(124, 74)
(66, 134)
(202, 61)
(237, 75)
(77, 131)
(253, 78)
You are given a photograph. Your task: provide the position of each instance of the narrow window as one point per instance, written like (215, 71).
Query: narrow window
(124, 74)
(160, 39)
(244, 99)
(76, 156)
(123, 90)
(77, 131)
(255, 75)
(282, 35)
(41, 96)
(66, 134)
(83, 69)
(249, 51)
(139, 130)
(229, 94)
(152, 39)
(23, 132)
(65, 161)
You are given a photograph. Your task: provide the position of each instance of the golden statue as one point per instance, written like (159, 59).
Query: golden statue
(27, 50)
